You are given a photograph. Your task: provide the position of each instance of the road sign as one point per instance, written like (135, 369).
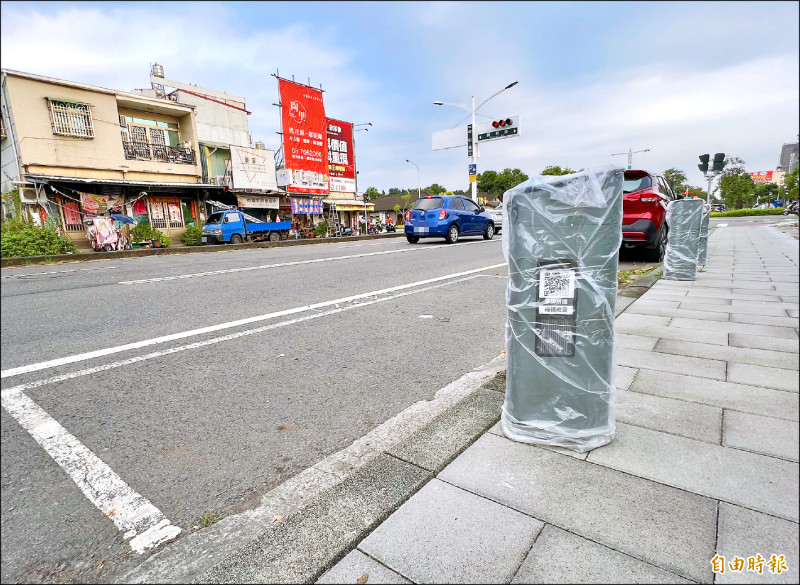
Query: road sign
(498, 134)
(469, 140)
(473, 169)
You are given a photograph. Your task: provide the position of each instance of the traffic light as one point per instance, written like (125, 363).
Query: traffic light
(503, 123)
(703, 166)
(719, 161)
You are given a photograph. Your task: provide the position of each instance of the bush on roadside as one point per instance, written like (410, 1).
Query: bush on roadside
(744, 212)
(192, 235)
(143, 232)
(18, 239)
(162, 238)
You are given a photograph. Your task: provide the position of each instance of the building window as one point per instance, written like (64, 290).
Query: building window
(70, 118)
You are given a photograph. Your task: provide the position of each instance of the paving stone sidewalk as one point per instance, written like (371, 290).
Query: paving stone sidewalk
(704, 463)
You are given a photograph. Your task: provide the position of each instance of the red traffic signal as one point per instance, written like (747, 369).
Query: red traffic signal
(502, 123)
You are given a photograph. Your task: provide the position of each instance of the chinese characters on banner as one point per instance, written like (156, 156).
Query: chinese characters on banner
(304, 138)
(762, 177)
(341, 162)
(305, 206)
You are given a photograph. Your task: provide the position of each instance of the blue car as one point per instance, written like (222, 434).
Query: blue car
(448, 217)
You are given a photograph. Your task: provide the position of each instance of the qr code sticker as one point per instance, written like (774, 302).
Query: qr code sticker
(556, 283)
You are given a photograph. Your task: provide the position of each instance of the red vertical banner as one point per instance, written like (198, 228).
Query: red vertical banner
(341, 159)
(304, 138)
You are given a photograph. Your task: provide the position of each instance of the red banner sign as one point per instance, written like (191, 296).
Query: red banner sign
(304, 138)
(341, 157)
(762, 177)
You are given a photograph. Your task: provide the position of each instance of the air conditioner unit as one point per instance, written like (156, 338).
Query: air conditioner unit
(28, 196)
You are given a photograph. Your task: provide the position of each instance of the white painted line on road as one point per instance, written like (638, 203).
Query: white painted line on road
(215, 340)
(182, 335)
(722, 225)
(295, 263)
(140, 521)
(60, 272)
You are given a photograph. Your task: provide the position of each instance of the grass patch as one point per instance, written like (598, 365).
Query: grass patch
(628, 276)
(208, 519)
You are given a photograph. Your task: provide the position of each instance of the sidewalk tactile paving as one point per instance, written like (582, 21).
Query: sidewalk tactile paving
(670, 528)
(444, 534)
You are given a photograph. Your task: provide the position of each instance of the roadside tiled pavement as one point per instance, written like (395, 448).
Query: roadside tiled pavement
(704, 461)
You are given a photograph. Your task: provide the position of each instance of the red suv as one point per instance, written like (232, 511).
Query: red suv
(645, 197)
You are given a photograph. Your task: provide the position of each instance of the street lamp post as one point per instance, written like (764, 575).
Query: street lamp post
(419, 182)
(474, 146)
(630, 154)
(355, 176)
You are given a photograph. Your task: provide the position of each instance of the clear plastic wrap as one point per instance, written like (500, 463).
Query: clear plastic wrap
(702, 254)
(561, 238)
(684, 220)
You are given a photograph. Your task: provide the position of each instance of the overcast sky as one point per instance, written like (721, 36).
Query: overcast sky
(596, 78)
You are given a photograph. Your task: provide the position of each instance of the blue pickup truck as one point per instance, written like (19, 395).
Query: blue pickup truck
(234, 227)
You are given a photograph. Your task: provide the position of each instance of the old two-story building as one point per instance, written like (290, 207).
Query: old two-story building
(74, 150)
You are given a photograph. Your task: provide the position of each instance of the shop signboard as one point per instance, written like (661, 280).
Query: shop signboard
(306, 206)
(762, 177)
(341, 159)
(304, 138)
(94, 204)
(258, 201)
(253, 169)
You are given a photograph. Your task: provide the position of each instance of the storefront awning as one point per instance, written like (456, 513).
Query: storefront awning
(349, 204)
(144, 184)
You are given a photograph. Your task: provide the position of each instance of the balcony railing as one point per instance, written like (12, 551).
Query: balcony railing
(145, 151)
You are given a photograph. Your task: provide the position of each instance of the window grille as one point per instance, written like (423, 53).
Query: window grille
(158, 215)
(70, 118)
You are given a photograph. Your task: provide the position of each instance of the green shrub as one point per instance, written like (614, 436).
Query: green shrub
(18, 239)
(161, 237)
(321, 229)
(192, 235)
(142, 232)
(744, 212)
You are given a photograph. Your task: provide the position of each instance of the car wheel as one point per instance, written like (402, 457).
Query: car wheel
(274, 236)
(489, 233)
(452, 234)
(236, 239)
(412, 239)
(656, 253)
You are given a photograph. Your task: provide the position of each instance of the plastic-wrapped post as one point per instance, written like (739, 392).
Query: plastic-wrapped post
(561, 238)
(684, 219)
(702, 254)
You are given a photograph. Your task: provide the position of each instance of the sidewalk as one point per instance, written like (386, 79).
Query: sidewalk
(704, 462)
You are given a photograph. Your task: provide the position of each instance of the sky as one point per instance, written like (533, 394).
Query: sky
(594, 78)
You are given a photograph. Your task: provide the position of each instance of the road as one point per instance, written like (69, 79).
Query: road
(142, 394)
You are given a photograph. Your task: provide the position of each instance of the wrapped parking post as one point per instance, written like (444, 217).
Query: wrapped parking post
(684, 219)
(561, 238)
(702, 254)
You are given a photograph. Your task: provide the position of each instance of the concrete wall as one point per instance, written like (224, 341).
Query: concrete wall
(217, 123)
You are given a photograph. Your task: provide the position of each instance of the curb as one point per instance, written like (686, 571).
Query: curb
(84, 256)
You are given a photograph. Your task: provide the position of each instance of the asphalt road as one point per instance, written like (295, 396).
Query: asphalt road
(145, 393)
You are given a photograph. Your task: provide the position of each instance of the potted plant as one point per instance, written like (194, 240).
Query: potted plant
(160, 240)
(142, 235)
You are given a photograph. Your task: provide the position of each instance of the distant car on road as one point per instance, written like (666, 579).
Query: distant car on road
(645, 196)
(448, 217)
(497, 216)
(719, 207)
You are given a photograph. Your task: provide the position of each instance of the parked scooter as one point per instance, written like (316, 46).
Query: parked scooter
(792, 208)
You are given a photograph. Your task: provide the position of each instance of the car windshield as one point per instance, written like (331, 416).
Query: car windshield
(429, 203)
(214, 218)
(636, 182)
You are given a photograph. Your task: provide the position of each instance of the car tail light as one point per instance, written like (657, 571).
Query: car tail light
(442, 214)
(408, 215)
(643, 197)
(634, 235)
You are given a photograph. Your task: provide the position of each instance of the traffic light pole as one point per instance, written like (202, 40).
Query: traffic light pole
(474, 184)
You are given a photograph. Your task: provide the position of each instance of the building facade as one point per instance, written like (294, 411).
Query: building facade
(74, 151)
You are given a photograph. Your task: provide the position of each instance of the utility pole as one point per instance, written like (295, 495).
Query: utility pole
(716, 169)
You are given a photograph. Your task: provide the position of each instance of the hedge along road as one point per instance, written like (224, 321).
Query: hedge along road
(106, 455)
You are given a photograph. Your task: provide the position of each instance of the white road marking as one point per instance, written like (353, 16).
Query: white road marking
(295, 263)
(722, 225)
(140, 521)
(182, 335)
(60, 272)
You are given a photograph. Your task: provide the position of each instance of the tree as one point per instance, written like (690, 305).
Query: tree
(498, 183)
(557, 170)
(736, 184)
(676, 180)
(790, 184)
(406, 198)
(372, 194)
(436, 189)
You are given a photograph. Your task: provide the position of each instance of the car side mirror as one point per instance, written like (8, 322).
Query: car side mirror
(483, 209)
